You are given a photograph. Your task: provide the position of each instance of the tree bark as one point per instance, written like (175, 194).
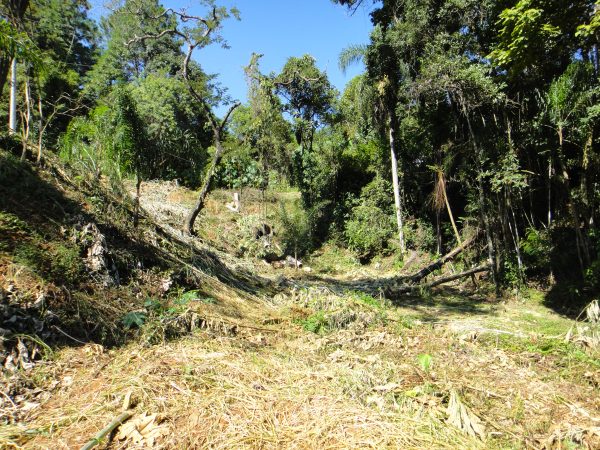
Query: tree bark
(206, 185)
(415, 278)
(40, 131)
(12, 112)
(457, 276)
(396, 185)
(26, 119)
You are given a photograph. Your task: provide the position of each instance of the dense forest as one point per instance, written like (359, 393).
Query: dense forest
(472, 136)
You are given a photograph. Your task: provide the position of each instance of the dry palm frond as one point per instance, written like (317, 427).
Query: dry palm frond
(462, 418)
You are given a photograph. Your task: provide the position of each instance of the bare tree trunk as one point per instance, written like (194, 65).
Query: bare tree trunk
(26, 119)
(40, 131)
(466, 273)
(415, 278)
(12, 113)
(550, 190)
(138, 188)
(456, 233)
(438, 231)
(396, 185)
(189, 223)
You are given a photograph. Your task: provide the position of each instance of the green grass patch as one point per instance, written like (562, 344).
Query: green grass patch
(315, 323)
(334, 259)
(570, 359)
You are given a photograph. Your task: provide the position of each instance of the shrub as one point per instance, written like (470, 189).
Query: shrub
(295, 229)
(248, 244)
(419, 235)
(537, 249)
(368, 230)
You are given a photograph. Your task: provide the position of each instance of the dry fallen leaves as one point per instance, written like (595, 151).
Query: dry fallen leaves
(463, 419)
(144, 430)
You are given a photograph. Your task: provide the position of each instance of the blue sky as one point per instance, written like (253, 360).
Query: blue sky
(279, 29)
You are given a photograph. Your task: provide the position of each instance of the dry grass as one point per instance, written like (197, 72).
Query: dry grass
(360, 386)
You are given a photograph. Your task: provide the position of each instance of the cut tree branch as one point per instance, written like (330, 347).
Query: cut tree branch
(443, 260)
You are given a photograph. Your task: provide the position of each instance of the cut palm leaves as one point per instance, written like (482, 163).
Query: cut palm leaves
(462, 418)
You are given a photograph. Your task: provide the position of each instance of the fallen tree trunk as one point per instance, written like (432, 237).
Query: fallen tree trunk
(443, 260)
(481, 268)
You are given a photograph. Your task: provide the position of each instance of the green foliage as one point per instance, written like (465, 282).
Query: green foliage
(425, 361)
(367, 300)
(567, 354)
(55, 261)
(239, 170)
(92, 145)
(592, 276)
(512, 276)
(261, 128)
(12, 229)
(176, 135)
(187, 297)
(316, 323)
(134, 319)
(419, 235)
(531, 33)
(370, 223)
(537, 249)
(308, 93)
(14, 43)
(334, 259)
(249, 245)
(368, 230)
(125, 58)
(295, 232)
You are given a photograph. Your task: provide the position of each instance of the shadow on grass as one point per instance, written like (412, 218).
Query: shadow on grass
(435, 305)
(38, 213)
(570, 293)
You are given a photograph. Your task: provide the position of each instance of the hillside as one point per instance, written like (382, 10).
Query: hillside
(204, 349)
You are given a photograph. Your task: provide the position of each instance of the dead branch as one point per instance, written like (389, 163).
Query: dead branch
(443, 260)
(409, 288)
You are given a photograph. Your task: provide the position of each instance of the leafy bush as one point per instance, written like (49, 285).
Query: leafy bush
(12, 229)
(378, 193)
(368, 230)
(370, 224)
(419, 235)
(295, 233)
(537, 249)
(239, 170)
(316, 323)
(246, 235)
(592, 276)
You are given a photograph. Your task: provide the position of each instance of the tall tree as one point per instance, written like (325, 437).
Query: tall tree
(195, 32)
(308, 98)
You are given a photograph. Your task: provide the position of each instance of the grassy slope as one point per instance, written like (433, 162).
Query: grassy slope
(309, 368)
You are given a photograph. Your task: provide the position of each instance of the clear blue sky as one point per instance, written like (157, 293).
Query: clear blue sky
(279, 29)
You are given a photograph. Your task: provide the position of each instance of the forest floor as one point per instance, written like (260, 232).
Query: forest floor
(316, 365)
